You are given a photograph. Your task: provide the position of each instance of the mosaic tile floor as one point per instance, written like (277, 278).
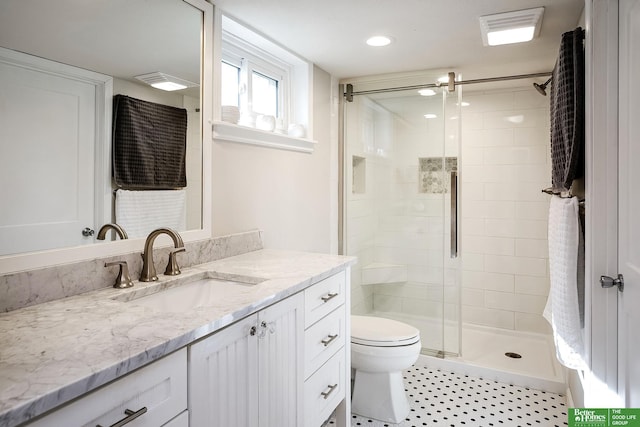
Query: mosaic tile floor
(440, 398)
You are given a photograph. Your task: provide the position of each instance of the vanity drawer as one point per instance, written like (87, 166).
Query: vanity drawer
(181, 420)
(323, 340)
(323, 297)
(160, 387)
(324, 390)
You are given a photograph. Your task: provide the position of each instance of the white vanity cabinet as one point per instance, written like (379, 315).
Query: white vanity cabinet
(152, 396)
(284, 366)
(250, 374)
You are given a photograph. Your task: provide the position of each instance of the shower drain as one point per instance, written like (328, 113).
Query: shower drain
(513, 355)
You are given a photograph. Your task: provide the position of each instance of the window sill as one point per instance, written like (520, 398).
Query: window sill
(234, 133)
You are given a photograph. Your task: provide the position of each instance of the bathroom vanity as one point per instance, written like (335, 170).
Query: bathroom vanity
(258, 339)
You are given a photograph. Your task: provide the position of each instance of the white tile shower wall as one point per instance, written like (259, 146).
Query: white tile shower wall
(412, 224)
(505, 164)
(362, 219)
(406, 225)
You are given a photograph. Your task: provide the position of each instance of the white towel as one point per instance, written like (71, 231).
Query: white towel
(562, 309)
(141, 212)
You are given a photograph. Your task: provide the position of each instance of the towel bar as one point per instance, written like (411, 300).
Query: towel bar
(562, 194)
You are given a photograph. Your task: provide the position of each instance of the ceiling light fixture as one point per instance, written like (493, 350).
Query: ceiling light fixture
(427, 92)
(430, 116)
(378, 41)
(165, 81)
(511, 27)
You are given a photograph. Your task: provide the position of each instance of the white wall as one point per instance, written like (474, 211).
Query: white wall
(290, 196)
(505, 165)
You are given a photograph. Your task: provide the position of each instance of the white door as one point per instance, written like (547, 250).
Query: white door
(47, 139)
(629, 203)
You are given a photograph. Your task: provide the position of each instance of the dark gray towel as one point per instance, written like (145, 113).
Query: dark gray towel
(149, 145)
(567, 112)
(581, 265)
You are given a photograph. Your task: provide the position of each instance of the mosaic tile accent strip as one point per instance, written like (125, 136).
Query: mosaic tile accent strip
(431, 177)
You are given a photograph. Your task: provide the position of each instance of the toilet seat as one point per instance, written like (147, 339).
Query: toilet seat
(380, 332)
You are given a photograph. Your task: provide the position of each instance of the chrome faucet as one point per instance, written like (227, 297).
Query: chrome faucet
(119, 230)
(148, 273)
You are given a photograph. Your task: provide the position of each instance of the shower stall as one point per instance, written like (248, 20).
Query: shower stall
(441, 204)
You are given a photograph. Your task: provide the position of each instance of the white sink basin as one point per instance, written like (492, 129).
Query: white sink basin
(205, 292)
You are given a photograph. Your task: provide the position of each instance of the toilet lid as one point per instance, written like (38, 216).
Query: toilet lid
(381, 332)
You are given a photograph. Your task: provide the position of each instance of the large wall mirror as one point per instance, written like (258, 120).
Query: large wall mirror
(61, 65)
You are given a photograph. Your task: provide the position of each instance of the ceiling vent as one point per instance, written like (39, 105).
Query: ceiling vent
(511, 27)
(165, 81)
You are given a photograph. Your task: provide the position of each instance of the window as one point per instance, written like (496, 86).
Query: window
(264, 94)
(253, 80)
(261, 77)
(230, 84)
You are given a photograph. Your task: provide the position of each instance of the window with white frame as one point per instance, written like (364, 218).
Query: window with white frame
(260, 77)
(253, 80)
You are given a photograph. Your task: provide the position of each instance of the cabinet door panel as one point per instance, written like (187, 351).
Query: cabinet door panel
(280, 363)
(222, 373)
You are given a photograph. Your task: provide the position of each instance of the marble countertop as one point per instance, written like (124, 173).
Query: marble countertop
(54, 352)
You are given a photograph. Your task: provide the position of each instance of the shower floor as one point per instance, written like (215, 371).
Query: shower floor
(483, 353)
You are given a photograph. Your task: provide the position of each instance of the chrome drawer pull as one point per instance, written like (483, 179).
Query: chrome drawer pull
(329, 296)
(130, 416)
(328, 340)
(326, 394)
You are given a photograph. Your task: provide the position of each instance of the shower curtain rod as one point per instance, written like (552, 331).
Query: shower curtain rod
(451, 84)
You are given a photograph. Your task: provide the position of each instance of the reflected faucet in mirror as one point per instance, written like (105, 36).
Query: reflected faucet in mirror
(148, 273)
(115, 227)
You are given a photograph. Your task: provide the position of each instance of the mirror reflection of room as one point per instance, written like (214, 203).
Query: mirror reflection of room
(59, 79)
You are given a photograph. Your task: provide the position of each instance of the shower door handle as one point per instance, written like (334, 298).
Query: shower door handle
(454, 214)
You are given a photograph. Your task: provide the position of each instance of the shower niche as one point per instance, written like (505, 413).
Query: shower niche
(359, 167)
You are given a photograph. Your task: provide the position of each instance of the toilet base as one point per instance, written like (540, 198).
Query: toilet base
(380, 396)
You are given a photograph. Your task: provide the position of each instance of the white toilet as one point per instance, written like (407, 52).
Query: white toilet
(380, 350)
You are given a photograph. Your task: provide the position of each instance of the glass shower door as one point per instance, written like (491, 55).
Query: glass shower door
(400, 152)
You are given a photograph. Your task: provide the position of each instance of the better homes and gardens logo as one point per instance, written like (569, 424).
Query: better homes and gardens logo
(601, 417)
(588, 417)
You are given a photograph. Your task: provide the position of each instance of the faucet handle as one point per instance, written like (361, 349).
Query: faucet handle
(123, 280)
(173, 269)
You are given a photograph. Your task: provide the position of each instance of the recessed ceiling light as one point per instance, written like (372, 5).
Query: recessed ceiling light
(165, 81)
(511, 27)
(430, 116)
(427, 92)
(443, 79)
(378, 41)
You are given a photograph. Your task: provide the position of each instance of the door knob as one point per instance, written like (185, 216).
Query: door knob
(609, 282)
